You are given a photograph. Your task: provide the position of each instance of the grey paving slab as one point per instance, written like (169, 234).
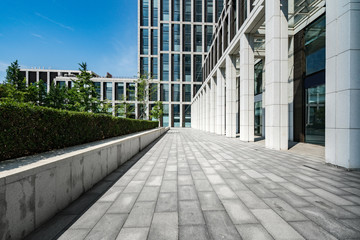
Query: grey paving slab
(195, 185)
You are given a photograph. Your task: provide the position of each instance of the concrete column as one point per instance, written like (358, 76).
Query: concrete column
(213, 105)
(220, 102)
(276, 75)
(48, 82)
(208, 104)
(230, 73)
(203, 127)
(342, 134)
(246, 88)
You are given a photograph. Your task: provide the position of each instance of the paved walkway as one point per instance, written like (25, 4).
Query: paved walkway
(196, 185)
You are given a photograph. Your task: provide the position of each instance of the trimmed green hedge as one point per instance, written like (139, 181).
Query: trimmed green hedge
(27, 129)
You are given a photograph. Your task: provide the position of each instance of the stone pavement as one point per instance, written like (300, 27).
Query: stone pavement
(196, 185)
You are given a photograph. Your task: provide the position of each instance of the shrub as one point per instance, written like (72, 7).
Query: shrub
(26, 129)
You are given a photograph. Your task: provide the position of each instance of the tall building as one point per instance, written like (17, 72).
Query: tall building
(174, 37)
(285, 70)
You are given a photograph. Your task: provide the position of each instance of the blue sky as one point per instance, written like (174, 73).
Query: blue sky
(62, 33)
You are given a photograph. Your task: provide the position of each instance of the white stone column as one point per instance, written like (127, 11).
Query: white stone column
(230, 73)
(213, 105)
(204, 109)
(342, 134)
(246, 88)
(220, 102)
(208, 104)
(276, 75)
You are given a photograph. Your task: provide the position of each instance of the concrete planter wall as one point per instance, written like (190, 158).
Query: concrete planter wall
(33, 193)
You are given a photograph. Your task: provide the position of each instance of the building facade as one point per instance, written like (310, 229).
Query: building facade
(286, 71)
(174, 37)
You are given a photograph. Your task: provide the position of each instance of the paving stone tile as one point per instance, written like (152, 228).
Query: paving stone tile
(353, 209)
(311, 231)
(187, 193)
(253, 173)
(236, 185)
(210, 201)
(123, 203)
(296, 189)
(331, 197)
(154, 181)
(170, 175)
(148, 194)
(209, 170)
(251, 200)
(353, 198)
(190, 213)
(169, 186)
(185, 180)
(287, 212)
(291, 198)
(329, 223)
(253, 232)
(224, 192)
(260, 190)
(274, 177)
(220, 225)
(140, 215)
(133, 234)
(167, 202)
(196, 232)
(238, 212)
(203, 185)
(353, 223)
(275, 225)
(108, 227)
(92, 215)
(269, 184)
(123, 181)
(198, 175)
(164, 226)
(300, 182)
(76, 234)
(134, 187)
(111, 194)
(141, 176)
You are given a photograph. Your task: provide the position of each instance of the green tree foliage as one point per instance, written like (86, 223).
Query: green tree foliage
(157, 111)
(14, 78)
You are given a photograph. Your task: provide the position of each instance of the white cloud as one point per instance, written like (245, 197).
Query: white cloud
(54, 22)
(3, 66)
(37, 35)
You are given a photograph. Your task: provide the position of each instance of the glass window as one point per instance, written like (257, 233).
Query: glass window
(130, 91)
(187, 38)
(198, 39)
(165, 67)
(61, 83)
(258, 119)
(144, 65)
(258, 68)
(219, 8)
(176, 114)
(198, 10)
(165, 10)
(119, 91)
(144, 41)
(98, 88)
(187, 93)
(164, 92)
(315, 46)
(198, 71)
(187, 68)
(154, 42)
(130, 110)
(165, 115)
(154, 7)
(187, 113)
(175, 95)
(209, 33)
(176, 37)
(209, 10)
(176, 68)
(187, 10)
(165, 37)
(153, 92)
(176, 10)
(154, 68)
(145, 13)
(108, 90)
(196, 89)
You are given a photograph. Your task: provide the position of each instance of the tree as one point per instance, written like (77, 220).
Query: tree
(157, 111)
(144, 91)
(57, 97)
(14, 77)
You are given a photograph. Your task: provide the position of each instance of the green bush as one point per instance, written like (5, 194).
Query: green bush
(27, 129)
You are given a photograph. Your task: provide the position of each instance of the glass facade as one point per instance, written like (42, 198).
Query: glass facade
(130, 91)
(154, 68)
(144, 65)
(154, 13)
(209, 10)
(208, 37)
(165, 37)
(176, 37)
(145, 13)
(198, 11)
(258, 118)
(98, 88)
(165, 10)
(165, 67)
(119, 96)
(186, 93)
(198, 38)
(144, 33)
(165, 115)
(187, 38)
(187, 116)
(164, 92)
(187, 68)
(154, 42)
(108, 90)
(258, 77)
(153, 94)
(175, 94)
(187, 10)
(176, 68)
(198, 70)
(176, 10)
(176, 114)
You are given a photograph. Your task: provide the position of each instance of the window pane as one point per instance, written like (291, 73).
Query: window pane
(198, 71)
(258, 118)
(165, 10)
(198, 10)
(258, 77)
(154, 68)
(144, 41)
(119, 91)
(209, 10)
(164, 92)
(219, 8)
(209, 33)
(198, 39)
(176, 10)
(153, 92)
(176, 114)
(165, 67)
(175, 93)
(144, 65)
(154, 42)
(187, 10)
(154, 13)
(176, 68)
(165, 37)
(130, 91)
(165, 115)
(187, 38)
(187, 113)
(187, 68)
(176, 37)
(108, 90)
(145, 13)
(98, 88)
(187, 93)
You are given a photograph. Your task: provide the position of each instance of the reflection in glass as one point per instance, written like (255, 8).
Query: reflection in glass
(176, 10)
(187, 38)
(258, 77)
(165, 67)
(153, 92)
(209, 10)
(198, 10)
(187, 112)
(144, 65)
(145, 13)
(187, 93)
(187, 10)
(258, 118)
(164, 92)
(108, 90)
(165, 10)
(144, 41)
(187, 68)
(198, 70)
(176, 37)
(198, 39)
(119, 91)
(154, 6)
(165, 37)
(165, 115)
(154, 68)
(176, 68)
(175, 95)
(176, 114)
(130, 91)
(209, 33)
(154, 42)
